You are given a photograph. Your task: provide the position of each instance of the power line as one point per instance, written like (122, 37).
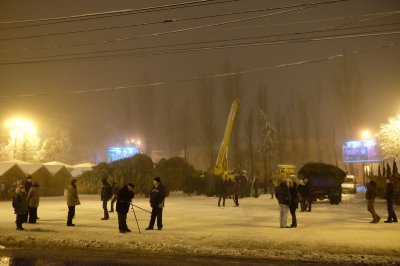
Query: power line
(209, 48)
(178, 30)
(112, 13)
(220, 75)
(274, 36)
(152, 23)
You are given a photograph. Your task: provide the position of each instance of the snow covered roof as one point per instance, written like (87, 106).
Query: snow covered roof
(19, 162)
(4, 167)
(84, 165)
(30, 168)
(54, 169)
(57, 163)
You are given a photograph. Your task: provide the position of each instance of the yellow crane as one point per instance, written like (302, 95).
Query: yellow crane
(221, 165)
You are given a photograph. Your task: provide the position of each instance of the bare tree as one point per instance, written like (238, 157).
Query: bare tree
(303, 126)
(263, 106)
(281, 128)
(291, 118)
(206, 93)
(168, 119)
(249, 125)
(184, 128)
(316, 118)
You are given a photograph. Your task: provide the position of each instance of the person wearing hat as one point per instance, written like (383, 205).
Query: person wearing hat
(72, 201)
(389, 195)
(33, 202)
(28, 185)
(20, 206)
(106, 195)
(124, 199)
(157, 197)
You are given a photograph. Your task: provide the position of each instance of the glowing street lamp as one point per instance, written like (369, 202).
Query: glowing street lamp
(19, 128)
(366, 134)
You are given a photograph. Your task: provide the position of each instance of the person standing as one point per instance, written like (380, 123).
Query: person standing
(221, 191)
(115, 190)
(236, 191)
(157, 198)
(302, 194)
(283, 196)
(271, 188)
(124, 198)
(106, 194)
(389, 193)
(308, 195)
(370, 195)
(256, 186)
(72, 201)
(294, 202)
(28, 185)
(33, 202)
(20, 206)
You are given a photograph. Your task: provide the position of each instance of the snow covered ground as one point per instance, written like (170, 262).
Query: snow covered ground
(197, 226)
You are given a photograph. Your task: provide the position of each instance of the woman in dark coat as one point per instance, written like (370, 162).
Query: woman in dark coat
(294, 202)
(125, 196)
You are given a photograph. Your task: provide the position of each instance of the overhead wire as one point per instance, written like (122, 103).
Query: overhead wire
(163, 21)
(271, 36)
(112, 13)
(176, 31)
(220, 75)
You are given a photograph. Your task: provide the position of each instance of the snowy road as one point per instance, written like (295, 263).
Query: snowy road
(195, 226)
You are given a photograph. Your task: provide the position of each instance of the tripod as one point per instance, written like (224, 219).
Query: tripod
(135, 218)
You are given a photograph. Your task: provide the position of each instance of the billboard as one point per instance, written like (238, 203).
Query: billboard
(361, 151)
(117, 153)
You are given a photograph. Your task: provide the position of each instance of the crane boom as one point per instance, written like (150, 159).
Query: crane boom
(221, 166)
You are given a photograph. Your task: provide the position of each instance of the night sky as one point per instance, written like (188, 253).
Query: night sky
(26, 66)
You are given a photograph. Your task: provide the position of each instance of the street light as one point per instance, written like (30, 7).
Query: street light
(19, 128)
(366, 134)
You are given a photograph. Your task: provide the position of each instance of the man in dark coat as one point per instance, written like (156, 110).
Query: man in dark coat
(256, 186)
(308, 194)
(20, 206)
(236, 191)
(33, 202)
(28, 185)
(302, 194)
(294, 201)
(106, 194)
(124, 199)
(370, 195)
(115, 190)
(157, 198)
(221, 191)
(389, 193)
(72, 201)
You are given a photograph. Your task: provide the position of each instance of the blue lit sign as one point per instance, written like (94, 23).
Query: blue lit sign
(117, 153)
(361, 151)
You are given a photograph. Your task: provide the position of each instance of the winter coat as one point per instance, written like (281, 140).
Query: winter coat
(282, 194)
(389, 192)
(20, 203)
(371, 191)
(33, 197)
(157, 196)
(301, 190)
(28, 186)
(236, 188)
(106, 191)
(221, 187)
(294, 196)
(124, 199)
(72, 196)
(115, 190)
(308, 190)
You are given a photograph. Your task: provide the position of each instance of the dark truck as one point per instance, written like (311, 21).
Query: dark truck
(325, 180)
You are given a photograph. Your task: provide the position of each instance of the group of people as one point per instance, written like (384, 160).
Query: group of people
(372, 193)
(228, 189)
(26, 201)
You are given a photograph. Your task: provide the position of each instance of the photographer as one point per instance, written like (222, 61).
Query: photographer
(125, 196)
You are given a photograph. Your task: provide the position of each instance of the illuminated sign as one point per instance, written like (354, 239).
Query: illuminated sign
(361, 151)
(117, 153)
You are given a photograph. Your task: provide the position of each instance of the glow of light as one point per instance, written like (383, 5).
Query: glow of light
(365, 134)
(139, 143)
(19, 127)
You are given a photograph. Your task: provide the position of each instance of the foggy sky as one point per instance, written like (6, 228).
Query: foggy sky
(92, 117)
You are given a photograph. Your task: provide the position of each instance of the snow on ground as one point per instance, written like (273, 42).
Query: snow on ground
(197, 226)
